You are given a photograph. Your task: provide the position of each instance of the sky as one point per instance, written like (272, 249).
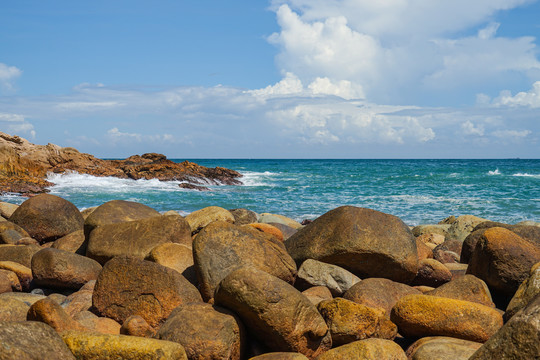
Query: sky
(274, 79)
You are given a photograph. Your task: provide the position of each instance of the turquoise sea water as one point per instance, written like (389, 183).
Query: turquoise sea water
(417, 191)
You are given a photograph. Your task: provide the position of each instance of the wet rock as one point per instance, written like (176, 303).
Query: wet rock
(366, 242)
(525, 293)
(432, 273)
(201, 218)
(366, 349)
(244, 216)
(349, 321)
(30, 340)
(274, 312)
(379, 293)
(175, 256)
(47, 217)
(88, 345)
(63, 269)
(317, 294)
(142, 288)
(74, 242)
(136, 238)
(316, 273)
(193, 187)
(442, 348)
(280, 219)
(503, 260)
(12, 309)
(468, 288)
(10, 233)
(425, 315)
(205, 332)
(220, 248)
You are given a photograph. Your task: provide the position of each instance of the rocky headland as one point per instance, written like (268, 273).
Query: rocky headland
(123, 281)
(24, 167)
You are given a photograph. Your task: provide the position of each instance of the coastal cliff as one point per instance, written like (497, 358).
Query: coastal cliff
(24, 167)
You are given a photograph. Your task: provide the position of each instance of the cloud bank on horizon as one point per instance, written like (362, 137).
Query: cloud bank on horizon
(360, 79)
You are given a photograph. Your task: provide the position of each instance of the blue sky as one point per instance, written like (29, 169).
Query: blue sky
(274, 79)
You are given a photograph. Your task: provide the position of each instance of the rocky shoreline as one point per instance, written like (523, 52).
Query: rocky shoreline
(123, 281)
(24, 167)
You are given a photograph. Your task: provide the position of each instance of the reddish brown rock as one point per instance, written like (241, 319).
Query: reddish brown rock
(269, 229)
(366, 242)
(317, 294)
(468, 288)
(201, 218)
(12, 280)
(7, 209)
(24, 274)
(62, 269)
(525, 293)
(424, 251)
(101, 325)
(47, 217)
(175, 256)
(280, 356)
(142, 288)
(274, 312)
(79, 301)
(5, 283)
(52, 314)
(379, 293)
(448, 252)
(432, 273)
(205, 332)
(135, 325)
(220, 248)
(21, 254)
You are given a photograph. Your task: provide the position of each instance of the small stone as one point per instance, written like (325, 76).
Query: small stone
(10, 233)
(175, 256)
(21, 254)
(101, 325)
(424, 251)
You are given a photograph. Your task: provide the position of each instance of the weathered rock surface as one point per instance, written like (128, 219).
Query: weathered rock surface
(525, 293)
(74, 242)
(424, 315)
(47, 217)
(274, 312)
(88, 345)
(366, 242)
(503, 260)
(280, 356)
(220, 248)
(431, 273)
(5, 282)
(317, 294)
(197, 220)
(286, 230)
(244, 216)
(135, 325)
(349, 321)
(519, 338)
(101, 325)
(23, 273)
(26, 298)
(49, 312)
(79, 301)
(31, 340)
(10, 233)
(424, 251)
(175, 256)
(448, 252)
(12, 309)
(379, 293)
(63, 269)
(21, 254)
(463, 226)
(269, 229)
(366, 349)
(136, 238)
(468, 288)
(280, 219)
(205, 332)
(442, 348)
(7, 209)
(428, 229)
(316, 273)
(129, 286)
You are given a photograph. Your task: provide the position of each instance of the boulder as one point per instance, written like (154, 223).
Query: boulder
(47, 217)
(6, 281)
(448, 252)
(349, 321)
(89, 345)
(136, 238)
(58, 298)
(201, 218)
(7, 209)
(525, 293)
(286, 230)
(463, 226)
(431, 273)
(503, 260)
(424, 251)
(24, 274)
(52, 314)
(63, 269)
(135, 325)
(21, 254)
(101, 325)
(366, 349)
(10, 233)
(438, 229)
(221, 247)
(30, 340)
(26, 298)
(175, 256)
(79, 301)
(519, 338)
(316, 273)
(379, 293)
(244, 216)
(280, 219)
(317, 294)
(74, 242)
(366, 242)
(425, 315)
(12, 310)
(280, 356)
(442, 348)
(269, 229)
(142, 288)
(468, 288)
(274, 312)
(457, 269)
(117, 211)
(205, 332)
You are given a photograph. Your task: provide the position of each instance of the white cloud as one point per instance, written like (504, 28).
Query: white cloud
(529, 98)
(469, 128)
(511, 134)
(118, 136)
(289, 85)
(16, 124)
(8, 74)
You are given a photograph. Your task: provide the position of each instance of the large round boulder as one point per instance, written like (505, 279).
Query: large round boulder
(525, 293)
(366, 349)
(366, 242)
(275, 312)
(21, 254)
(221, 247)
(442, 348)
(47, 217)
(468, 288)
(128, 286)
(136, 238)
(201, 218)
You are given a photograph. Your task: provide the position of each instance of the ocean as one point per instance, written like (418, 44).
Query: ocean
(417, 191)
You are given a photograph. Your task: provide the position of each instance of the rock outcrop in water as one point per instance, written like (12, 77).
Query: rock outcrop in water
(24, 167)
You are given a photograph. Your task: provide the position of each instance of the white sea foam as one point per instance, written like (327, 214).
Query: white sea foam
(496, 172)
(527, 175)
(253, 178)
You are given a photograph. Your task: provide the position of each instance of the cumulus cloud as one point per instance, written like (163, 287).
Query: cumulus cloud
(16, 124)
(8, 74)
(469, 128)
(529, 98)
